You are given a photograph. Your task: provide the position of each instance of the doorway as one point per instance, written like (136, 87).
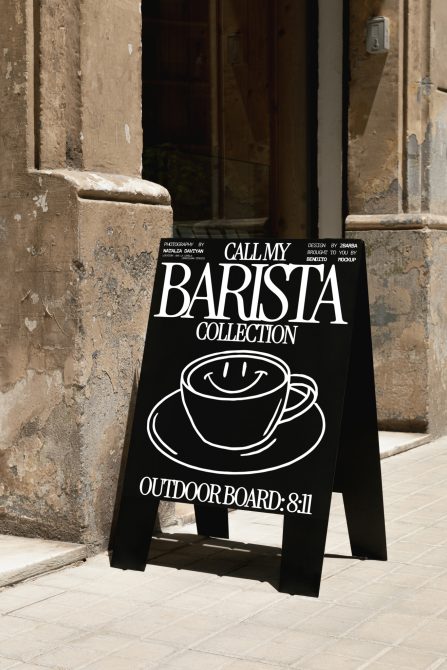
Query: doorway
(230, 114)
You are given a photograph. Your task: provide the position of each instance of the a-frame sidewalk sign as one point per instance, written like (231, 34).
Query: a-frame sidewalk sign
(257, 393)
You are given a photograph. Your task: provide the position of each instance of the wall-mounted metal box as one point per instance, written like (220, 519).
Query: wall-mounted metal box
(378, 35)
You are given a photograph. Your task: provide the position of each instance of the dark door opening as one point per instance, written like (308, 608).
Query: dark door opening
(230, 114)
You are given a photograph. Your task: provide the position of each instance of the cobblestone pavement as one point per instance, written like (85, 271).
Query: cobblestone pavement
(202, 603)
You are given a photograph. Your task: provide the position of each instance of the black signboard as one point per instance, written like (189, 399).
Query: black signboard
(257, 392)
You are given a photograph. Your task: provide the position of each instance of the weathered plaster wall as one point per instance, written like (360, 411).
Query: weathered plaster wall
(398, 204)
(437, 127)
(437, 138)
(437, 329)
(80, 274)
(375, 113)
(77, 257)
(111, 90)
(116, 263)
(56, 37)
(407, 274)
(39, 471)
(398, 281)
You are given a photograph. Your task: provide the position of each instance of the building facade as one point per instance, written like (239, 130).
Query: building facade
(258, 117)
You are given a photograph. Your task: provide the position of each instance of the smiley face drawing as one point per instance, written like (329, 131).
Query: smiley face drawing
(238, 376)
(235, 402)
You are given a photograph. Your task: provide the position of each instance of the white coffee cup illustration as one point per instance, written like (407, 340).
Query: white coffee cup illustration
(236, 399)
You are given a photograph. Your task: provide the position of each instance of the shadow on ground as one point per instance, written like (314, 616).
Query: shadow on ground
(184, 551)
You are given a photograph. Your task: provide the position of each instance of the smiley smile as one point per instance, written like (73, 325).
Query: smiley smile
(259, 374)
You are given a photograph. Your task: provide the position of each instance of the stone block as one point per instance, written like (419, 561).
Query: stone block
(72, 338)
(407, 278)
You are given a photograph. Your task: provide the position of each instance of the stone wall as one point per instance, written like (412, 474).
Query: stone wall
(397, 201)
(80, 233)
(398, 264)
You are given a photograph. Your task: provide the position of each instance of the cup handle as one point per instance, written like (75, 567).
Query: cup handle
(308, 389)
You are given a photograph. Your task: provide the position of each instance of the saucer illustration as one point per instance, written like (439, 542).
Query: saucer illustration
(229, 415)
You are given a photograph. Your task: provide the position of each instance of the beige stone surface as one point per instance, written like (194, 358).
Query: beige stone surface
(22, 558)
(397, 203)
(398, 266)
(406, 277)
(436, 140)
(210, 603)
(58, 100)
(375, 114)
(110, 62)
(77, 260)
(437, 324)
(89, 97)
(393, 442)
(72, 340)
(439, 25)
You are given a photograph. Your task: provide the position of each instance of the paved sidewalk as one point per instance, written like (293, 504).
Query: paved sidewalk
(216, 612)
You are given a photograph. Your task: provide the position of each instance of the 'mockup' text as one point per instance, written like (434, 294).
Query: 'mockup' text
(260, 294)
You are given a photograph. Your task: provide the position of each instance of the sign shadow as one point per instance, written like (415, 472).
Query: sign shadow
(221, 557)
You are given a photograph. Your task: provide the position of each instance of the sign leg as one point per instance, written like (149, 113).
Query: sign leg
(133, 533)
(302, 556)
(212, 521)
(358, 478)
(366, 528)
(358, 475)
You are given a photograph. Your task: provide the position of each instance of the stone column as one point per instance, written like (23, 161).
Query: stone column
(398, 205)
(79, 232)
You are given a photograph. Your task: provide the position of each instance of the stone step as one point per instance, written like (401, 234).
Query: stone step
(392, 443)
(24, 557)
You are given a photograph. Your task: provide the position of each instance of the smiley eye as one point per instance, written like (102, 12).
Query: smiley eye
(226, 366)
